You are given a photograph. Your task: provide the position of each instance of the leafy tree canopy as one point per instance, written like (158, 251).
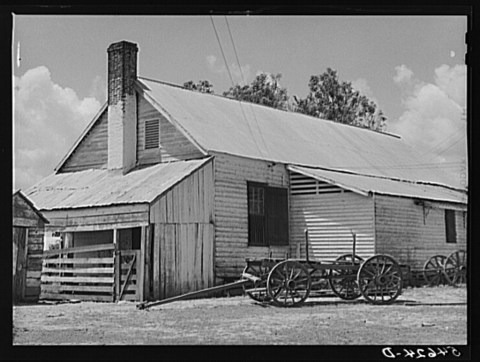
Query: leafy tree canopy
(328, 98)
(265, 89)
(203, 86)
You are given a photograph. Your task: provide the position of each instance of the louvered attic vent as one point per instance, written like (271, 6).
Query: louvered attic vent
(152, 134)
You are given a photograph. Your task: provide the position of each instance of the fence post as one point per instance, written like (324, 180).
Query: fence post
(118, 266)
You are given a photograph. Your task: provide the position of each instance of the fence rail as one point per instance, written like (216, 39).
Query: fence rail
(105, 278)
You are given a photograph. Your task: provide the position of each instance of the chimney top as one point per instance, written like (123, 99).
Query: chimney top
(122, 44)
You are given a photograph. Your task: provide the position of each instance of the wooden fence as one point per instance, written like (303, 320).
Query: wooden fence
(95, 273)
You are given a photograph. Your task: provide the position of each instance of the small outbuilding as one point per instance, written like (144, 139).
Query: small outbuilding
(28, 231)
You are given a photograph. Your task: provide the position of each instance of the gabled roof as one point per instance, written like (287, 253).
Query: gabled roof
(224, 125)
(93, 188)
(366, 185)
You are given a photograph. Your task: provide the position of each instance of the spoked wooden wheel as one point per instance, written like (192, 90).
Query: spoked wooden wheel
(289, 283)
(456, 268)
(259, 290)
(380, 279)
(343, 282)
(433, 270)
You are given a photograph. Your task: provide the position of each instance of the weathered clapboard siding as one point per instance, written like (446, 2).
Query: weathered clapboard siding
(330, 219)
(183, 236)
(231, 211)
(97, 218)
(91, 152)
(413, 234)
(174, 145)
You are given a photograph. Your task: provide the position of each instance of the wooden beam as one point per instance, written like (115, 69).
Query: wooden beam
(79, 249)
(148, 261)
(157, 229)
(141, 264)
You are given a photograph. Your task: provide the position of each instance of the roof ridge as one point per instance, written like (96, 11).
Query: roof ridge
(270, 108)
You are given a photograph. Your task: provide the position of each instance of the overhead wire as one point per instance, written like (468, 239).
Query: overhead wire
(244, 82)
(233, 84)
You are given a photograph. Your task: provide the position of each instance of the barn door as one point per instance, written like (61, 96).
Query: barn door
(19, 263)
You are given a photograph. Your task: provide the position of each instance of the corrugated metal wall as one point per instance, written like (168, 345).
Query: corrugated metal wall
(330, 214)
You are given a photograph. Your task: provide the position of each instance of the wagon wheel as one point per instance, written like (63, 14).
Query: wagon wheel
(344, 282)
(380, 279)
(456, 268)
(433, 270)
(259, 290)
(289, 283)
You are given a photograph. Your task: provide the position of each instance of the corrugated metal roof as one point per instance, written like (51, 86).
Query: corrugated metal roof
(250, 130)
(93, 188)
(368, 184)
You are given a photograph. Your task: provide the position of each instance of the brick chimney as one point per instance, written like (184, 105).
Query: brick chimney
(122, 105)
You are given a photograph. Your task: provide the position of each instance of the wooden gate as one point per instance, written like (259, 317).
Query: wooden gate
(95, 273)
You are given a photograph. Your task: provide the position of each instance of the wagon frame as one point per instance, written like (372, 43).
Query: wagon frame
(288, 282)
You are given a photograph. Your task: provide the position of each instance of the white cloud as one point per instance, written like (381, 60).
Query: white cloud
(433, 119)
(238, 73)
(404, 75)
(47, 120)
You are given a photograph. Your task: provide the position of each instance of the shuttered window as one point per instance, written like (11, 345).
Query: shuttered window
(152, 134)
(267, 215)
(450, 230)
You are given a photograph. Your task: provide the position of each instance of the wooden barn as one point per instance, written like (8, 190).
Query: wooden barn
(27, 248)
(169, 190)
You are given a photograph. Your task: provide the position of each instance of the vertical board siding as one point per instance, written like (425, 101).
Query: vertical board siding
(174, 145)
(412, 235)
(29, 227)
(92, 150)
(231, 211)
(330, 218)
(183, 240)
(34, 261)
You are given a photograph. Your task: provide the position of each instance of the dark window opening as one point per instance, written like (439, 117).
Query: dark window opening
(450, 230)
(267, 215)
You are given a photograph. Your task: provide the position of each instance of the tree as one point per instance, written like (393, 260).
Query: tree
(203, 86)
(338, 101)
(265, 89)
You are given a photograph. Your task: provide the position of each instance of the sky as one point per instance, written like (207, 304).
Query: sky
(413, 67)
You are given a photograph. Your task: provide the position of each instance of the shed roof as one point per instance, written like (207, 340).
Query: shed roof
(224, 125)
(367, 184)
(21, 195)
(92, 188)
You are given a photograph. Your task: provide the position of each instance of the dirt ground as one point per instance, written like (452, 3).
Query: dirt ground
(419, 316)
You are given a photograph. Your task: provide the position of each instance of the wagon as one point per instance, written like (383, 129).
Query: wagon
(451, 269)
(289, 282)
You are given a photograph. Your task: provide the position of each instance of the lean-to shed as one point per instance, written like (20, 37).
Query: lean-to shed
(193, 183)
(27, 248)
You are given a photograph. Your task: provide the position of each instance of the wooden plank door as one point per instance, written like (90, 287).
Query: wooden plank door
(19, 263)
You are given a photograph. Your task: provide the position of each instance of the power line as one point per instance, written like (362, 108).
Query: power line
(235, 50)
(244, 82)
(221, 50)
(233, 85)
